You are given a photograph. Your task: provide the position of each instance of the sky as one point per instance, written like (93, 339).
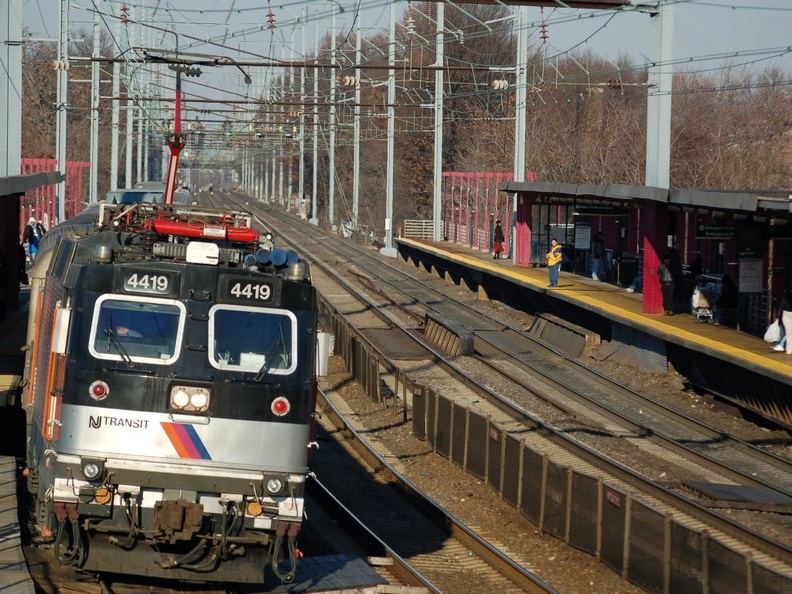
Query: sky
(702, 27)
(707, 33)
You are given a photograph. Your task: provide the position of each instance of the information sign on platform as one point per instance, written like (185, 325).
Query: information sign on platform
(582, 236)
(750, 275)
(599, 209)
(714, 231)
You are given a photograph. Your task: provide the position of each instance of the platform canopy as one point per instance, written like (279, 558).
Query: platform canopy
(19, 184)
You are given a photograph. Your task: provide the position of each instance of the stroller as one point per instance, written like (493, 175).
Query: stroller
(703, 301)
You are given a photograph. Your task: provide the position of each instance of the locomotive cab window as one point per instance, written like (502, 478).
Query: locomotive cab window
(252, 339)
(137, 329)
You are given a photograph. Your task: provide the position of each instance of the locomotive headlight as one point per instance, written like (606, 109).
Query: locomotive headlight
(180, 398)
(199, 400)
(92, 469)
(274, 486)
(190, 398)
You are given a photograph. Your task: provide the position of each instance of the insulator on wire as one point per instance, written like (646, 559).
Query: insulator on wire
(349, 81)
(500, 84)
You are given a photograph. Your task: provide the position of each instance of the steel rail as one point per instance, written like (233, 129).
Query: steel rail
(512, 571)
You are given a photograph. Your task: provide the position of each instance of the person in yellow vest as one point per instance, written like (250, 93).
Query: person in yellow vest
(554, 258)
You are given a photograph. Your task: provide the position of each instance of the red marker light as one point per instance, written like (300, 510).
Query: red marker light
(280, 406)
(98, 390)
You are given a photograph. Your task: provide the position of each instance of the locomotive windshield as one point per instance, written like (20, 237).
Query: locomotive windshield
(137, 329)
(250, 339)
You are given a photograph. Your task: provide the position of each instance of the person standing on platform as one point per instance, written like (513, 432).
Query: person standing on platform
(554, 259)
(667, 284)
(676, 261)
(676, 271)
(728, 298)
(598, 257)
(785, 319)
(696, 267)
(498, 239)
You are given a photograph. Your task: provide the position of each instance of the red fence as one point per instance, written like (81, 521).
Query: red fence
(42, 203)
(471, 204)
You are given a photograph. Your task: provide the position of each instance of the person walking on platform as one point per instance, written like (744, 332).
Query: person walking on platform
(666, 276)
(598, 257)
(498, 239)
(34, 231)
(785, 319)
(554, 259)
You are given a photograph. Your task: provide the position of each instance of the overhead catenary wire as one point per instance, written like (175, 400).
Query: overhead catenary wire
(181, 22)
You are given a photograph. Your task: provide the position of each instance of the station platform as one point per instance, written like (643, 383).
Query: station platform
(14, 575)
(737, 366)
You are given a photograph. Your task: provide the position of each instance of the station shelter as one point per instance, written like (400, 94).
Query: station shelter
(745, 235)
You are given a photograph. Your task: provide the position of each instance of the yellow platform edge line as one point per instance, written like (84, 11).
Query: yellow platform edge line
(642, 318)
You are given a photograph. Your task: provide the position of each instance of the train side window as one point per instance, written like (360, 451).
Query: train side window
(253, 340)
(137, 329)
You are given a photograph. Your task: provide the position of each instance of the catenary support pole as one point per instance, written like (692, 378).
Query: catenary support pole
(95, 81)
(437, 209)
(658, 102)
(11, 88)
(388, 249)
(314, 206)
(356, 132)
(62, 103)
(301, 165)
(115, 119)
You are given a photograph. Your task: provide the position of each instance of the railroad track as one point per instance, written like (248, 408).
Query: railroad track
(438, 545)
(695, 449)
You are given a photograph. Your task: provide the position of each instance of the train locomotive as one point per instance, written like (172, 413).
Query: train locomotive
(170, 390)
